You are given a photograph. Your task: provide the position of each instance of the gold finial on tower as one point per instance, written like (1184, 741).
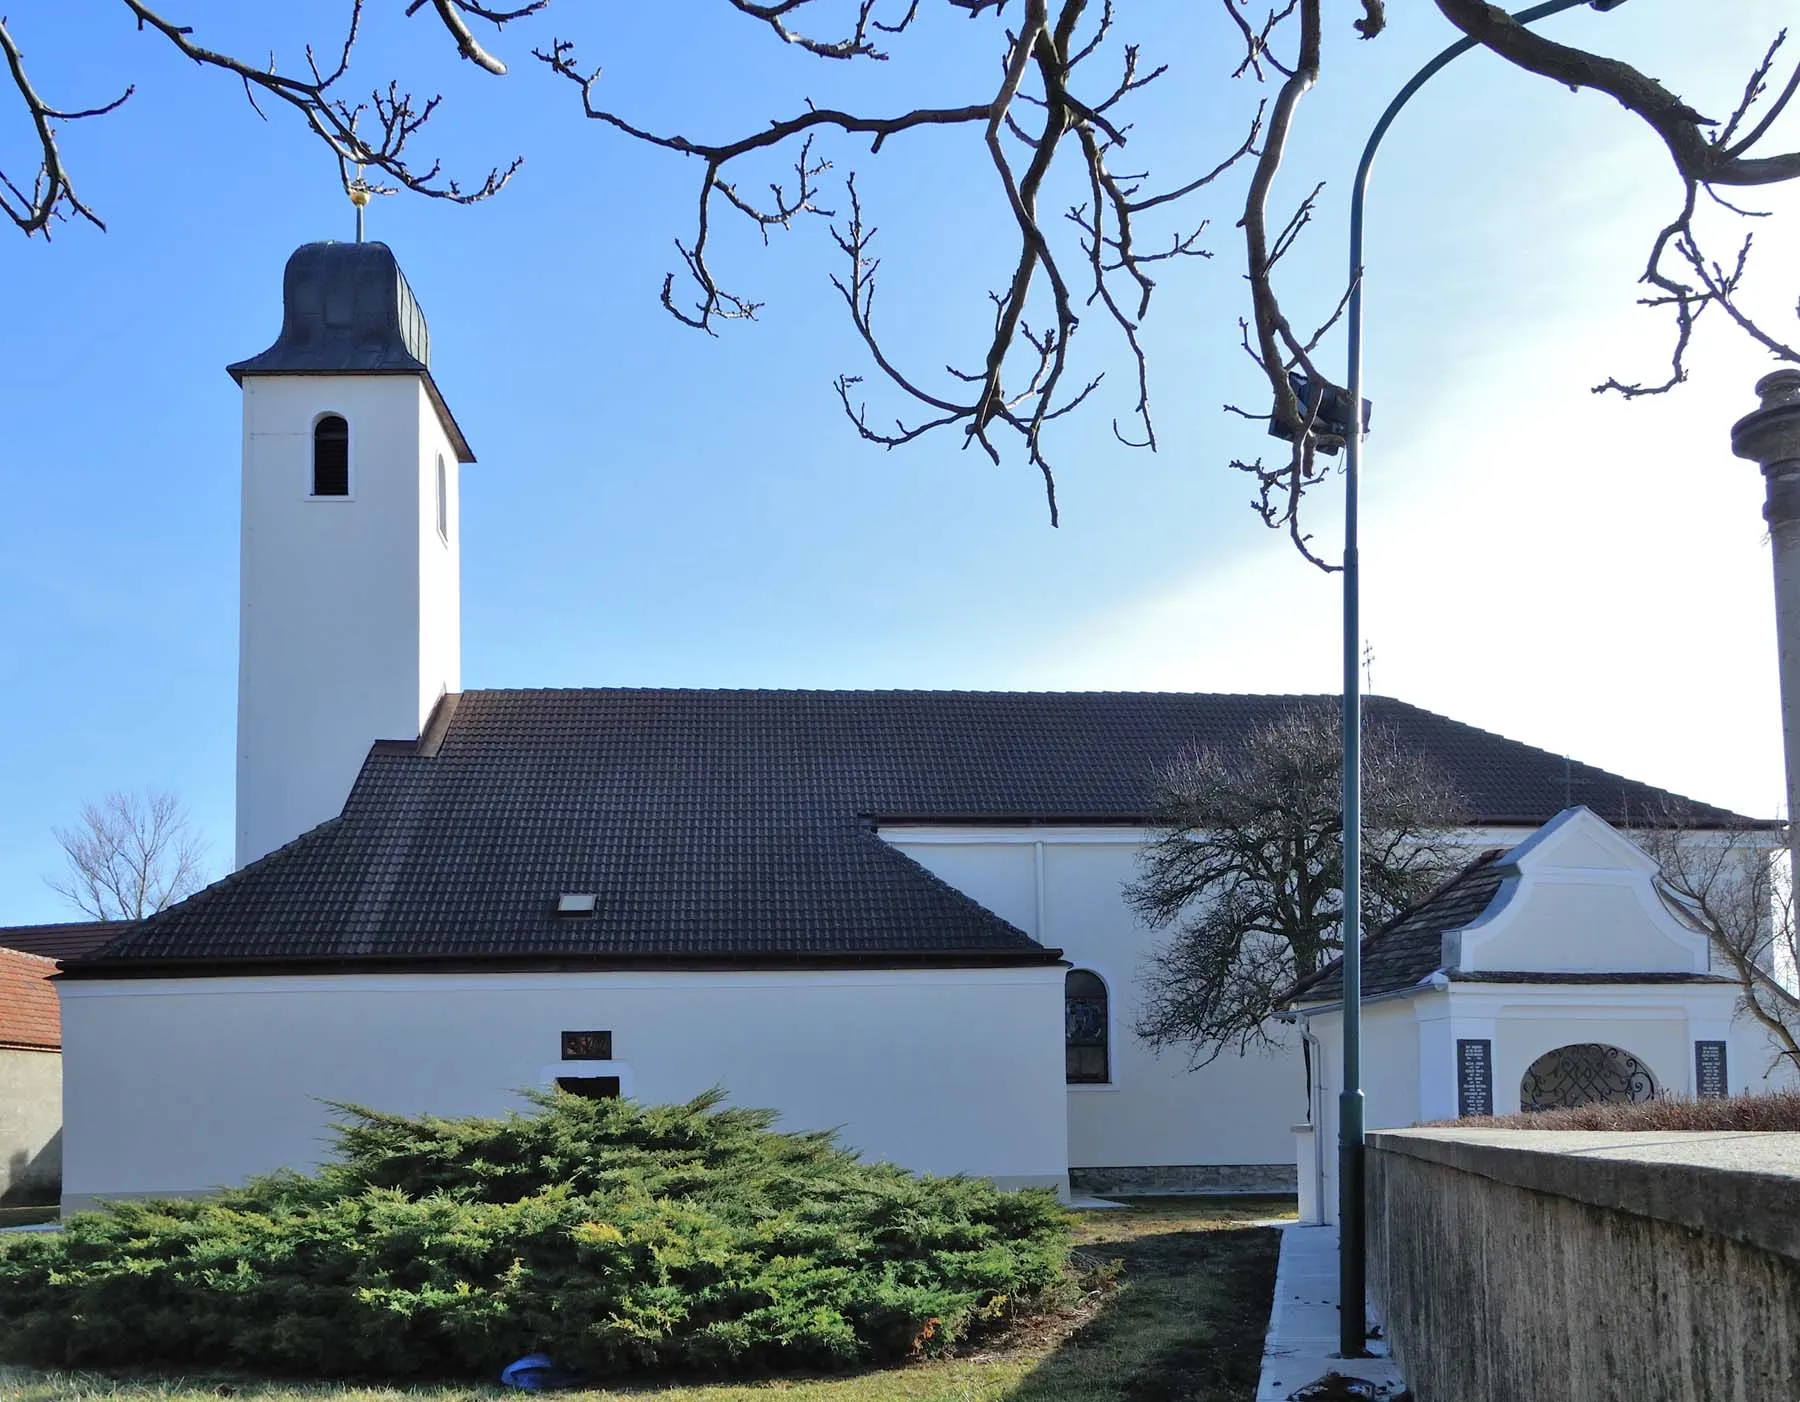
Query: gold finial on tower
(359, 191)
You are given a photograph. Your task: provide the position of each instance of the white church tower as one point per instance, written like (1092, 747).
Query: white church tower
(349, 612)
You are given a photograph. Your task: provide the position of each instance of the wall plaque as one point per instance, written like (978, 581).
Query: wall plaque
(1710, 1081)
(1474, 1076)
(587, 1046)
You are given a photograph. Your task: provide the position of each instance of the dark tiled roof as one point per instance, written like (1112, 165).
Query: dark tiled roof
(29, 1015)
(69, 940)
(738, 824)
(1410, 947)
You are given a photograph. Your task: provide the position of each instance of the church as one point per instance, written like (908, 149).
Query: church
(896, 915)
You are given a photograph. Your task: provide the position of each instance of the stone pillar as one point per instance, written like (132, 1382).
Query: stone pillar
(1770, 437)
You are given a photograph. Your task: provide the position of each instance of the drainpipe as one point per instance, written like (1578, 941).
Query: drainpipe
(1770, 437)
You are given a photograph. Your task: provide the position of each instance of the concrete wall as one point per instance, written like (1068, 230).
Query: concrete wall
(348, 612)
(30, 1127)
(179, 1085)
(1581, 1267)
(1182, 1127)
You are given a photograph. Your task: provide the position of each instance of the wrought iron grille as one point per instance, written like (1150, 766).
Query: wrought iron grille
(1585, 1073)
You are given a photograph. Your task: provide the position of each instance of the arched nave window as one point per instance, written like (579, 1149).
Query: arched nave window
(1085, 1028)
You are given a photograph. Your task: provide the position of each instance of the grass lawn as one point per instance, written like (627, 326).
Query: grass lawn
(1183, 1321)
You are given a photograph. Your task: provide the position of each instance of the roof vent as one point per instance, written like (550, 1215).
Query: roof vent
(576, 903)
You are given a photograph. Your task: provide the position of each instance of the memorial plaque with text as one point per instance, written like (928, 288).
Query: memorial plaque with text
(587, 1046)
(1474, 1076)
(1709, 1071)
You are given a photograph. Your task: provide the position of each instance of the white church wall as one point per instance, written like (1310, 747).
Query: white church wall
(337, 645)
(440, 565)
(179, 1085)
(1155, 1112)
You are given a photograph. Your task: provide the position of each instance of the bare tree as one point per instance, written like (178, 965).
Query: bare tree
(1248, 872)
(129, 856)
(1051, 117)
(1736, 888)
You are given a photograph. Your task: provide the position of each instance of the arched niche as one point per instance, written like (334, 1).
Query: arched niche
(1585, 1073)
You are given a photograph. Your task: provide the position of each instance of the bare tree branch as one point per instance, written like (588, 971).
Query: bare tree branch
(1024, 379)
(129, 856)
(1735, 889)
(1685, 280)
(1247, 872)
(1052, 116)
(371, 133)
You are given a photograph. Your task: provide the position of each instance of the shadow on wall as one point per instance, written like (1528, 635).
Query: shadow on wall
(33, 1180)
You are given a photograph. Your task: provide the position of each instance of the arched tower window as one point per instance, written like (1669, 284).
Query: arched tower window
(443, 500)
(1085, 1028)
(331, 457)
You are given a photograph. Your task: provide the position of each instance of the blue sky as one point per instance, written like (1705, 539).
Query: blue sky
(654, 507)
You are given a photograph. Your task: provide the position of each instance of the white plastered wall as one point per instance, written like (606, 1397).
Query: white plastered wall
(440, 567)
(1584, 900)
(349, 606)
(179, 1085)
(1064, 887)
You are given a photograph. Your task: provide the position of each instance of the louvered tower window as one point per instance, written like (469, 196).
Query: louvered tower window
(331, 457)
(443, 500)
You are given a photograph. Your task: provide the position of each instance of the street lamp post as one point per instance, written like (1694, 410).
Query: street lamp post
(1352, 1285)
(1770, 437)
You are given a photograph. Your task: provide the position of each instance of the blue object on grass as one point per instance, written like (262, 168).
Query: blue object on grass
(537, 1372)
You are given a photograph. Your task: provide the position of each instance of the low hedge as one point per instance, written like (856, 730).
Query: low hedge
(616, 1237)
(1773, 1111)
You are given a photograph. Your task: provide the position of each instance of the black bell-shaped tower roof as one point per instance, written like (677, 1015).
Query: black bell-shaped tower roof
(346, 309)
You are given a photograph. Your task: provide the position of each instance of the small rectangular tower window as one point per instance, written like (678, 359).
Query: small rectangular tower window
(443, 500)
(331, 457)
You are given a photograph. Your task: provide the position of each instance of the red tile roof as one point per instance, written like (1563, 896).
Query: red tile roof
(29, 1016)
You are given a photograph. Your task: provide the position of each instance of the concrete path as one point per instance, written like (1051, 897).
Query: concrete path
(1302, 1343)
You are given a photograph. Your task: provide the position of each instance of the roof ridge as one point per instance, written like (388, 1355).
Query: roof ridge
(1564, 757)
(891, 691)
(206, 894)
